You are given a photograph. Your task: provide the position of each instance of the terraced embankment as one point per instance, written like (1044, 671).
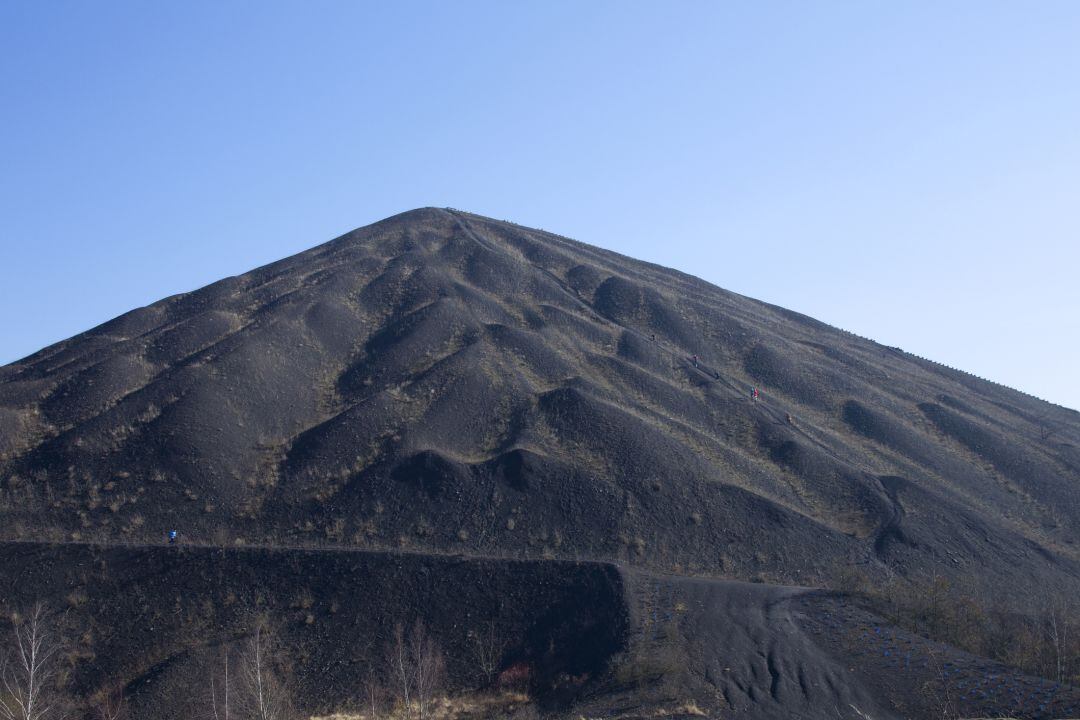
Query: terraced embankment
(152, 618)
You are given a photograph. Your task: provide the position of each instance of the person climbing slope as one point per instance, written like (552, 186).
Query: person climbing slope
(754, 393)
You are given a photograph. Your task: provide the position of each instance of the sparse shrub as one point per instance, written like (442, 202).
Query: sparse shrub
(516, 677)
(1044, 641)
(110, 704)
(335, 531)
(690, 707)
(77, 597)
(643, 668)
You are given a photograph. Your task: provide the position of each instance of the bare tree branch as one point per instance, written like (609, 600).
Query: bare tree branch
(487, 650)
(402, 669)
(419, 669)
(111, 704)
(219, 689)
(429, 668)
(263, 695)
(376, 694)
(29, 672)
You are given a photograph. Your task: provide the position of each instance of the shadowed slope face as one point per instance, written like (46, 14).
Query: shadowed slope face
(447, 382)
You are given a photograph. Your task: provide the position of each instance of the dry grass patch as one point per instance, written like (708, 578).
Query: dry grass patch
(690, 707)
(464, 707)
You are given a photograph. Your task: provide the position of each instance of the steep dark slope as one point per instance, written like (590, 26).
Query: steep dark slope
(444, 381)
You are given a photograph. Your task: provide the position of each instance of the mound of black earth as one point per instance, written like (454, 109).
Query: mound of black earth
(440, 383)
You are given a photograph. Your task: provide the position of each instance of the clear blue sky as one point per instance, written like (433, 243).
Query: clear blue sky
(907, 171)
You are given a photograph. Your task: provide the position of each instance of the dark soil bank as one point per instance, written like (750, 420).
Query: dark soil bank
(152, 618)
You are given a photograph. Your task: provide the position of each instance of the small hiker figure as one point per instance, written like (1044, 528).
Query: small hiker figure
(695, 361)
(716, 374)
(789, 420)
(172, 537)
(754, 394)
(653, 336)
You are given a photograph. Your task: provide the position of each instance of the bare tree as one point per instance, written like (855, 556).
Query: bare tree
(263, 695)
(30, 671)
(1058, 633)
(401, 667)
(419, 668)
(938, 691)
(219, 688)
(111, 704)
(376, 695)
(429, 668)
(1047, 427)
(487, 650)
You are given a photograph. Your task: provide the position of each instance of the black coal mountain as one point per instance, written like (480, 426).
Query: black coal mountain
(443, 382)
(464, 421)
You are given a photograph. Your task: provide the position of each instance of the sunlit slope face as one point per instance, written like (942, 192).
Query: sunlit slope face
(444, 381)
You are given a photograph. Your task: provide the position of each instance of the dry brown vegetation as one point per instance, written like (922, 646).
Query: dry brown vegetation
(1044, 642)
(475, 706)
